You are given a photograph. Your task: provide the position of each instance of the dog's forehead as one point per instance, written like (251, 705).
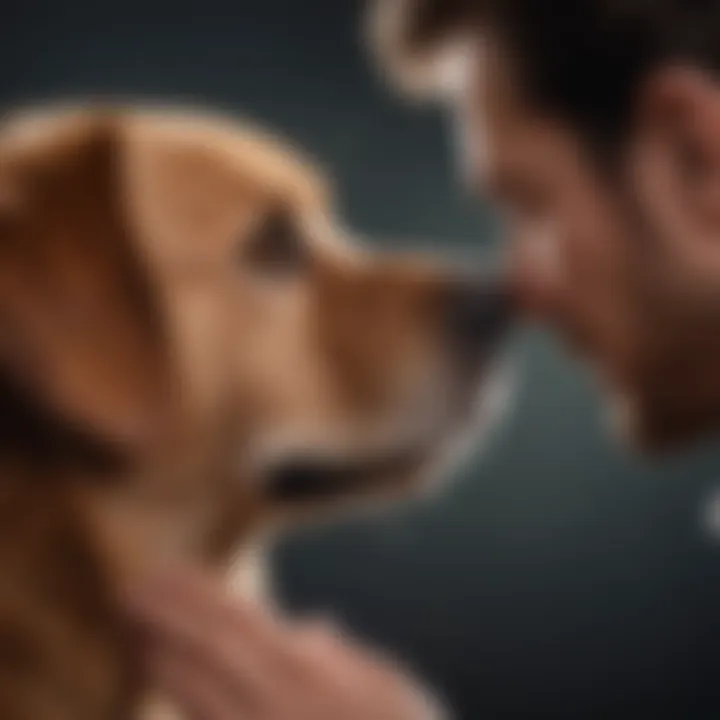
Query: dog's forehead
(244, 156)
(228, 154)
(197, 184)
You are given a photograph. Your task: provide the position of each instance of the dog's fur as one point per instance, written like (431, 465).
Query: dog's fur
(180, 315)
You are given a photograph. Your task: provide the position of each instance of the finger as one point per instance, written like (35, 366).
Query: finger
(327, 640)
(188, 604)
(217, 654)
(356, 669)
(326, 657)
(196, 692)
(221, 636)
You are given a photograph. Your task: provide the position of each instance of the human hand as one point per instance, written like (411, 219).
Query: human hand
(221, 659)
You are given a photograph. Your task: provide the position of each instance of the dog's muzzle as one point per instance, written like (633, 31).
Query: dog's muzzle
(477, 316)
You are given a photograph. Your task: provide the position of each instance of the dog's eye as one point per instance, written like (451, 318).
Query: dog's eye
(277, 247)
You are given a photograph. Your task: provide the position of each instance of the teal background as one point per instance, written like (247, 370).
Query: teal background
(556, 578)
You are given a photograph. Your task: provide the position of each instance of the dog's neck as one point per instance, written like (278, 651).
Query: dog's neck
(140, 531)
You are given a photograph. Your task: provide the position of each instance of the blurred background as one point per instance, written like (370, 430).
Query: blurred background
(557, 577)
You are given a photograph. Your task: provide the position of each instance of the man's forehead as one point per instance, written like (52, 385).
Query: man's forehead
(452, 68)
(496, 129)
(471, 76)
(490, 129)
(458, 74)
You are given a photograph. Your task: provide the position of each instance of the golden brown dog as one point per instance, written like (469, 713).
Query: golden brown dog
(191, 350)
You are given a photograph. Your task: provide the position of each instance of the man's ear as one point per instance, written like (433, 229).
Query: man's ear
(679, 114)
(81, 332)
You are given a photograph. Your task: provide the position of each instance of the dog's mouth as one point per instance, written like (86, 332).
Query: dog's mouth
(319, 478)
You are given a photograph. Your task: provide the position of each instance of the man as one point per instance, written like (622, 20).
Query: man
(596, 125)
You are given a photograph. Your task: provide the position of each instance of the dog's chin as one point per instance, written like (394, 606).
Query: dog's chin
(316, 478)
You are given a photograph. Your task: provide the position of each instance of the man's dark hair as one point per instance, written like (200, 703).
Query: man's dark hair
(581, 59)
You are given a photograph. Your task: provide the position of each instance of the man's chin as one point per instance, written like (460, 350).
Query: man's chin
(654, 428)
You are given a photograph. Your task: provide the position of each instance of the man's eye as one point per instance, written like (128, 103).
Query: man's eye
(276, 247)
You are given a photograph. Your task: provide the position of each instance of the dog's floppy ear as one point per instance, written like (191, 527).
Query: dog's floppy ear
(80, 329)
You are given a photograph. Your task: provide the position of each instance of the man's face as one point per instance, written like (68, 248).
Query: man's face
(642, 307)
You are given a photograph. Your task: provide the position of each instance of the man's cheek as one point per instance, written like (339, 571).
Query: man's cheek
(593, 264)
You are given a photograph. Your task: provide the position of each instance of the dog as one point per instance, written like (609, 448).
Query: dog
(193, 352)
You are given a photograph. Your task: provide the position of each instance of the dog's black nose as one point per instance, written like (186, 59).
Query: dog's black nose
(478, 314)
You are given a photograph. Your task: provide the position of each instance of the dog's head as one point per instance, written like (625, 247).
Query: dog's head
(165, 278)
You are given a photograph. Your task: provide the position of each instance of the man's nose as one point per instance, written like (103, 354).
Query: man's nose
(478, 314)
(538, 276)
